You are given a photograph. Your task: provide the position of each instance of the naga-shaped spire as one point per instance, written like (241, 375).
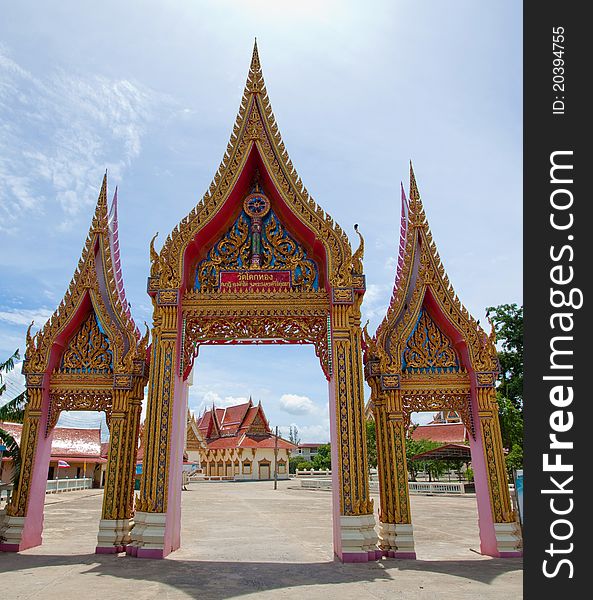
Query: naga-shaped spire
(419, 269)
(98, 275)
(255, 129)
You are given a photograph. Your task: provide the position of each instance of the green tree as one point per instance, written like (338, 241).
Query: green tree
(414, 447)
(323, 459)
(508, 325)
(371, 442)
(514, 459)
(13, 412)
(293, 435)
(298, 462)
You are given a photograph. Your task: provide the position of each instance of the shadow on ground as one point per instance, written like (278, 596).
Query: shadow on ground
(213, 580)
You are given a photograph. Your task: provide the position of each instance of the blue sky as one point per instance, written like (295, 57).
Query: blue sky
(150, 90)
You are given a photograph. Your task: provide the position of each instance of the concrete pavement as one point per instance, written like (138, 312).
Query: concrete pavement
(246, 540)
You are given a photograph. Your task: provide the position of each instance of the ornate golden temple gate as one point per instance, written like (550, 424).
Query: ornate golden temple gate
(429, 354)
(88, 356)
(256, 260)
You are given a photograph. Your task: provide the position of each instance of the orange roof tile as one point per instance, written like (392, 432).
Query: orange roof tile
(443, 432)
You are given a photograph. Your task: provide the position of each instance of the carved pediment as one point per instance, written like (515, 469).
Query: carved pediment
(89, 350)
(429, 349)
(257, 254)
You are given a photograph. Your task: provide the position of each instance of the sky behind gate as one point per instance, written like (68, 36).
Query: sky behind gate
(150, 91)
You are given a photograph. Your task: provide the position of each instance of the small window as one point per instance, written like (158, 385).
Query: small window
(247, 467)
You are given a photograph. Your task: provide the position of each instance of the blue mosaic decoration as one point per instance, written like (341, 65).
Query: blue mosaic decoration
(88, 351)
(428, 349)
(276, 250)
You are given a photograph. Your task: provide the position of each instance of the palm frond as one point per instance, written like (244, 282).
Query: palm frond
(12, 451)
(8, 365)
(14, 410)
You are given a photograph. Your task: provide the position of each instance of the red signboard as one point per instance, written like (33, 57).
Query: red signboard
(249, 282)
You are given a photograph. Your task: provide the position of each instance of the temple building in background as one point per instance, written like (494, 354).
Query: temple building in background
(75, 454)
(236, 443)
(446, 427)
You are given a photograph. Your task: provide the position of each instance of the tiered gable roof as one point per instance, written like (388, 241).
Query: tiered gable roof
(240, 426)
(255, 133)
(421, 283)
(96, 288)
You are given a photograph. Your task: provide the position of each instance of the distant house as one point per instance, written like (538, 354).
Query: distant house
(236, 443)
(81, 449)
(308, 451)
(446, 427)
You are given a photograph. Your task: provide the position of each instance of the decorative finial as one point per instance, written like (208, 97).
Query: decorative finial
(357, 257)
(414, 193)
(154, 257)
(30, 339)
(255, 82)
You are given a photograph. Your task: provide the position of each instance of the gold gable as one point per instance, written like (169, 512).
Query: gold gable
(255, 130)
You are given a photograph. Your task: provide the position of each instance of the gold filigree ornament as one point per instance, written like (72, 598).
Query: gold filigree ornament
(429, 348)
(256, 129)
(88, 351)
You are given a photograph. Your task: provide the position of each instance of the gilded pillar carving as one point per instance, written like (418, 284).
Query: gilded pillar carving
(395, 524)
(155, 473)
(500, 500)
(357, 536)
(355, 498)
(20, 499)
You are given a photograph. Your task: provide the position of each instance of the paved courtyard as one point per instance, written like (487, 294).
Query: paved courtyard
(247, 540)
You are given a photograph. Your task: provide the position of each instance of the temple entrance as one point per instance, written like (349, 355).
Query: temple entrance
(89, 356)
(257, 261)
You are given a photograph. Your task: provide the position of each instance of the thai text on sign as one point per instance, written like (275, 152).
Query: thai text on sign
(245, 282)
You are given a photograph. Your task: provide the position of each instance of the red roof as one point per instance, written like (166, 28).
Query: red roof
(246, 441)
(240, 426)
(67, 442)
(442, 432)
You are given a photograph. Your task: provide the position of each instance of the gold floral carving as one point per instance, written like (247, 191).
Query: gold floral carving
(91, 400)
(423, 401)
(428, 348)
(280, 252)
(290, 329)
(88, 351)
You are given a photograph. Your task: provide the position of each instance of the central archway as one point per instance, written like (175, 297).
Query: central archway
(257, 260)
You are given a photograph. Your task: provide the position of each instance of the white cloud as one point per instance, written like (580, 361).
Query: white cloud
(318, 433)
(59, 133)
(376, 301)
(206, 399)
(24, 316)
(298, 405)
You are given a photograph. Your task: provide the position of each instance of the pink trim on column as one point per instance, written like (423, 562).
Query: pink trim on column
(108, 549)
(150, 553)
(333, 428)
(355, 557)
(172, 535)
(488, 545)
(33, 525)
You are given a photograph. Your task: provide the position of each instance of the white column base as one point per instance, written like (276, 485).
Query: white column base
(358, 537)
(509, 541)
(113, 535)
(397, 540)
(11, 532)
(147, 538)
